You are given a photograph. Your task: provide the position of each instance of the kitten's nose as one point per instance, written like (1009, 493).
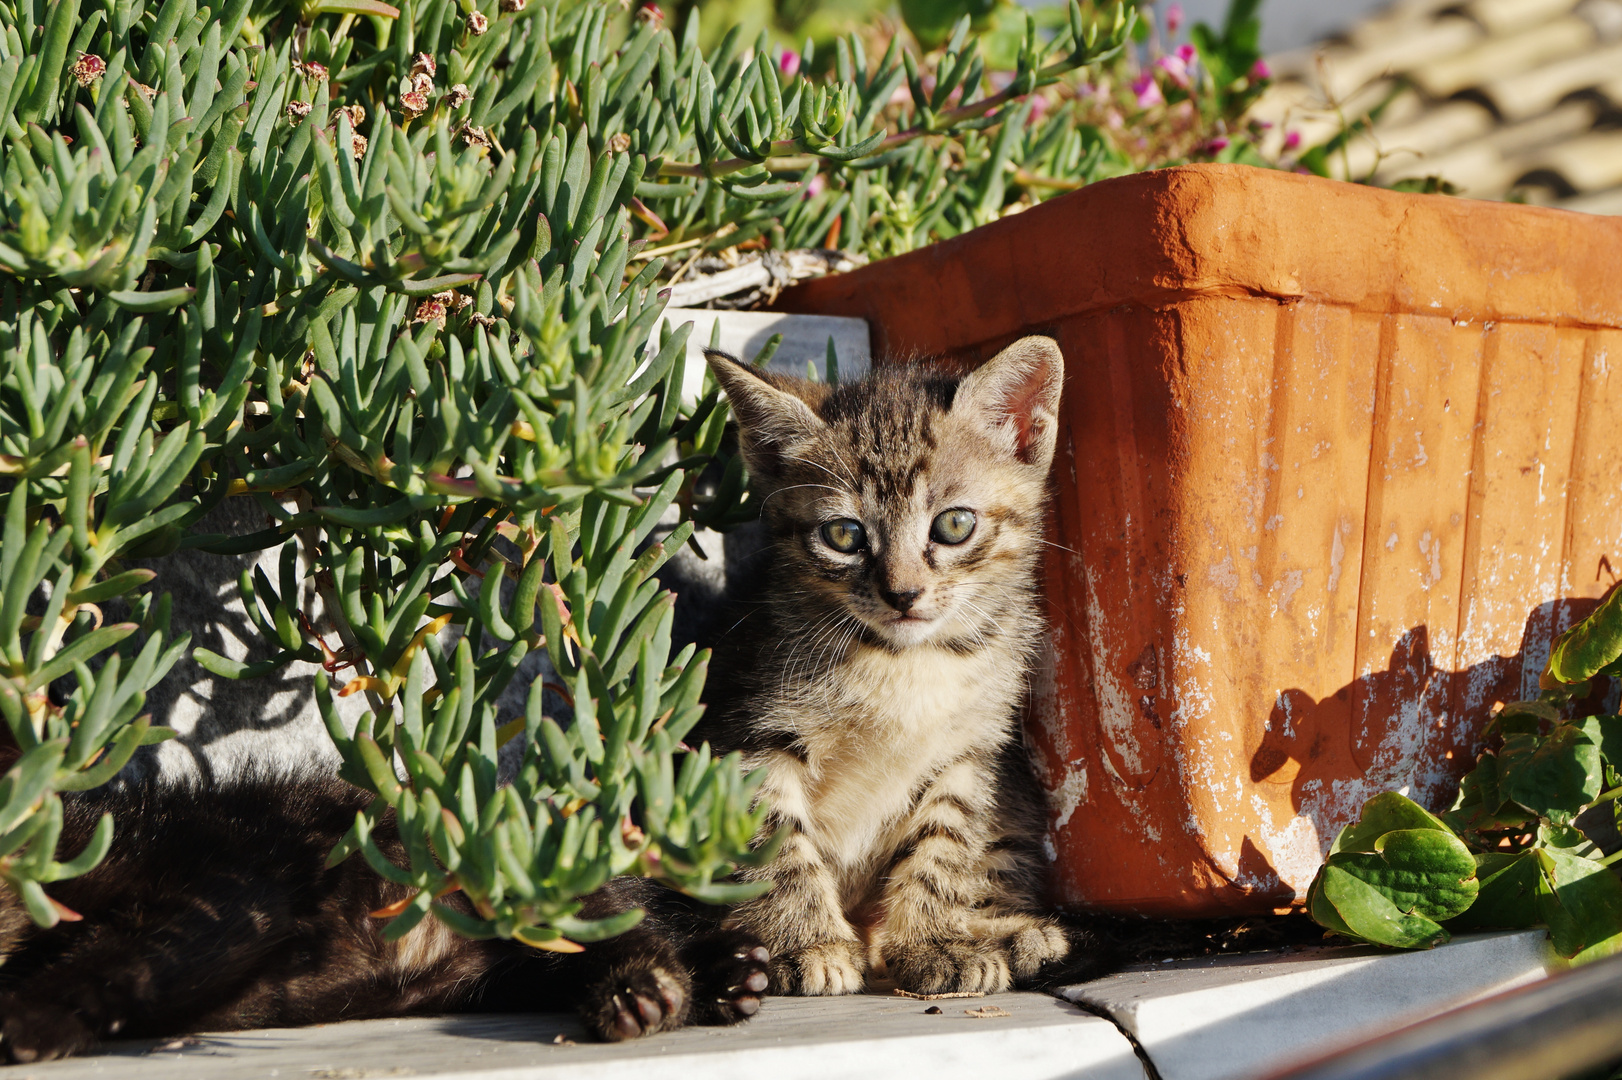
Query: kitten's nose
(901, 601)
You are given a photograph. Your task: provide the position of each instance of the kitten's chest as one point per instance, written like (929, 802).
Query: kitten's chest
(891, 723)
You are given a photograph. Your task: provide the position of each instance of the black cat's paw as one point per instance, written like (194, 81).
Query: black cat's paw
(637, 1000)
(730, 974)
(31, 1032)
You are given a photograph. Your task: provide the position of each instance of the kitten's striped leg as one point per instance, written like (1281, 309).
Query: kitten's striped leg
(938, 936)
(815, 950)
(1029, 940)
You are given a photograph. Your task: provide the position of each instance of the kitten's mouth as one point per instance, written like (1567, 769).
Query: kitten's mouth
(907, 629)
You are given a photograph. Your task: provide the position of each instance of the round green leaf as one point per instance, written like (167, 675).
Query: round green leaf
(1581, 901)
(1425, 871)
(1580, 652)
(1370, 915)
(1508, 894)
(1386, 812)
(1554, 776)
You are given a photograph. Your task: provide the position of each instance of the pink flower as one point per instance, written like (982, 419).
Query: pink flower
(1259, 71)
(789, 63)
(1147, 90)
(1292, 140)
(1218, 143)
(814, 187)
(1039, 107)
(1174, 18)
(1176, 69)
(1185, 53)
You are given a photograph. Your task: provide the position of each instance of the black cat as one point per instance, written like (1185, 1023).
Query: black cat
(214, 911)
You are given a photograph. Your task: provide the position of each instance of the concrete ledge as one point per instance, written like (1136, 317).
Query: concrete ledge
(744, 333)
(865, 1037)
(1241, 1016)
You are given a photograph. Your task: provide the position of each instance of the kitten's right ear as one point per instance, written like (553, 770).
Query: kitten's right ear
(771, 421)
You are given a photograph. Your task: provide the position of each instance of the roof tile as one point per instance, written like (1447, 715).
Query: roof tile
(1517, 97)
(1424, 136)
(1501, 56)
(1590, 163)
(1503, 98)
(1599, 202)
(1503, 17)
(1404, 49)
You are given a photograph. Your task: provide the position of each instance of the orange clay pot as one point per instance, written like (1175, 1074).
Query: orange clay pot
(1337, 462)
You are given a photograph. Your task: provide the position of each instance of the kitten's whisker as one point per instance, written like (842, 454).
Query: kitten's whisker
(1061, 547)
(793, 487)
(804, 643)
(850, 483)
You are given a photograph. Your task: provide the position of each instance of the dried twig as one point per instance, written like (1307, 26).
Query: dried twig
(939, 997)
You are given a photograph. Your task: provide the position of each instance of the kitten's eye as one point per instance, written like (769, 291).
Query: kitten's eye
(845, 534)
(952, 526)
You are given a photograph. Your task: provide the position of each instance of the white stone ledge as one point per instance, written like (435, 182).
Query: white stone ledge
(1229, 1017)
(866, 1037)
(744, 333)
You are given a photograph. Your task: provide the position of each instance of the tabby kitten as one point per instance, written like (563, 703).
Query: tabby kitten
(215, 911)
(880, 674)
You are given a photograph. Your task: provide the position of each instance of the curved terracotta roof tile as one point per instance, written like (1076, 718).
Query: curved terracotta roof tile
(1503, 17)
(1502, 98)
(1502, 56)
(1517, 97)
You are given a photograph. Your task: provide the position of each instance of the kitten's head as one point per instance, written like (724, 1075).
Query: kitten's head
(912, 501)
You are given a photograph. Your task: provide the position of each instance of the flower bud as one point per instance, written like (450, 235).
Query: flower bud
(413, 104)
(88, 68)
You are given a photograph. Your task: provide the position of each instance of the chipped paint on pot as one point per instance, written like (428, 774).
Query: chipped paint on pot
(1336, 463)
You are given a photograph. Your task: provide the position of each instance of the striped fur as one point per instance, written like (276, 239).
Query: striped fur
(881, 687)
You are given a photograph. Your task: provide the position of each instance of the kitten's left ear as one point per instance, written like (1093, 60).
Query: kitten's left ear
(1015, 397)
(772, 421)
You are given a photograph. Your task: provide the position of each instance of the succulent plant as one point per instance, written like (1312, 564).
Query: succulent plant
(378, 270)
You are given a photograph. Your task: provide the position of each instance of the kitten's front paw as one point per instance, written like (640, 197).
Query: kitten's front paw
(729, 975)
(637, 1001)
(821, 970)
(37, 1032)
(1040, 943)
(952, 966)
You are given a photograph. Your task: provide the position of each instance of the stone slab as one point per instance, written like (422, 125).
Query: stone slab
(851, 1038)
(744, 333)
(1228, 1017)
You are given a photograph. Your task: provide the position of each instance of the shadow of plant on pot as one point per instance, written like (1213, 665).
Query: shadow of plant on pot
(1530, 838)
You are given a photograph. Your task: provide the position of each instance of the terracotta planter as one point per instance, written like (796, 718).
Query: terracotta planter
(1338, 463)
